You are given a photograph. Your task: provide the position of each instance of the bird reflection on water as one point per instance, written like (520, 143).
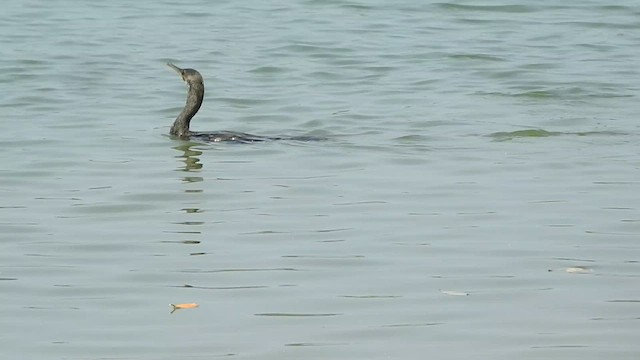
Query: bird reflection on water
(189, 157)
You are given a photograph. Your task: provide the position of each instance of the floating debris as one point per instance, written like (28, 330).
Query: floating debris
(454, 293)
(575, 270)
(183, 306)
(578, 270)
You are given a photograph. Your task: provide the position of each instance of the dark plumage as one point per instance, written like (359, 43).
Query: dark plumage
(195, 96)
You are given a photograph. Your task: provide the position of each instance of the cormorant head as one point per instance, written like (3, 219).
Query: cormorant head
(190, 76)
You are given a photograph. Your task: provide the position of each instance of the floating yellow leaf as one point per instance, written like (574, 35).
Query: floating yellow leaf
(183, 306)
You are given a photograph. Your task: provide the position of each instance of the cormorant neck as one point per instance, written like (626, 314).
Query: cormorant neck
(180, 127)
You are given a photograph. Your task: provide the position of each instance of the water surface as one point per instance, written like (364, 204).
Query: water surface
(477, 195)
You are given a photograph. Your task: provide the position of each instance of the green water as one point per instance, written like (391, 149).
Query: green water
(474, 154)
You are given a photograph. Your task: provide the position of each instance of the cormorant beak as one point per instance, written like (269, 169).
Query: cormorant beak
(177, 69)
